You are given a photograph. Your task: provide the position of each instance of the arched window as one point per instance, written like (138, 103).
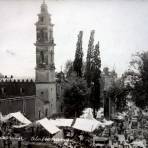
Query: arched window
(41, 57)
(41, 19)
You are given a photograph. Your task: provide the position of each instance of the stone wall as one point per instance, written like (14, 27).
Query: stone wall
(25, 105)
(13, 88)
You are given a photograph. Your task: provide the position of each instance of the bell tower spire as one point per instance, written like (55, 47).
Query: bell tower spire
(45, 66)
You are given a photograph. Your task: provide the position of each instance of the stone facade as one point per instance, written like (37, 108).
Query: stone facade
(12, 88)
(45, 67)
(35, 99)
(17, 95)
(60, 87)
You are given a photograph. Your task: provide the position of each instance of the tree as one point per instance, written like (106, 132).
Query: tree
(138, 74)
(88, 74)
(75, 95)
(96, 75)
(68, 68)
(78, 61)
(118, 94)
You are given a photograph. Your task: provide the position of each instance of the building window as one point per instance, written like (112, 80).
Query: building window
(39, 113)
(41, 57)
(61, 108)
(46, 112)
(42, 93)
(3, 90)
(24, 106)
(41, 18)
(21, 90)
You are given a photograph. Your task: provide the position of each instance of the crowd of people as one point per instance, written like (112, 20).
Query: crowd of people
(120, 134)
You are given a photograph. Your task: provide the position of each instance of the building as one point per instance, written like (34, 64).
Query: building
(109, 78)
(17, 95)
(42, 97)
(45, 68)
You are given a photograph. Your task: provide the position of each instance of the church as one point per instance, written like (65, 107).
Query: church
(42, 97)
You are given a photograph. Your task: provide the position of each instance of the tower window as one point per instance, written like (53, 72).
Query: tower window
(42, 93)
(41, 19)
(41, 57)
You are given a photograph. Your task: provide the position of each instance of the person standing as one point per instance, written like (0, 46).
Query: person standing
(9, 142)
(4, 143)
(19, 143)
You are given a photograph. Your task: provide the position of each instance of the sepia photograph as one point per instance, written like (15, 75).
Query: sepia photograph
(73, 74)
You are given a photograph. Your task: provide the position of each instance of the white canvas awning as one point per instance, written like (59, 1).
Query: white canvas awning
(62, 122)
(86, 124)
(18, 116)
(48, 125)
(87, 114)
(21, 126)
(107, 122)
(138, 143)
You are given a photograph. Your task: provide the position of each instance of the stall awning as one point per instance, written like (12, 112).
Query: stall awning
(49, 126)
(107, 122)
(62, 122)
(18, 116)
(21, 126)
(138, 143)
(86, 124)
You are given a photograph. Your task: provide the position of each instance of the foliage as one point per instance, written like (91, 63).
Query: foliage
(75, 96)
(78, 61)
(118, 94)
(68, 68)
(96, 75)
(88, 74)
(139, 78)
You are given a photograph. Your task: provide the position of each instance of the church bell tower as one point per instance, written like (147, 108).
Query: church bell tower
(45, 67)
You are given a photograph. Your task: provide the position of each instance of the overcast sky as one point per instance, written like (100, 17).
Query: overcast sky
(121, 26)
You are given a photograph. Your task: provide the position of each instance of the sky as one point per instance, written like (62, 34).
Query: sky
(121, 27)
